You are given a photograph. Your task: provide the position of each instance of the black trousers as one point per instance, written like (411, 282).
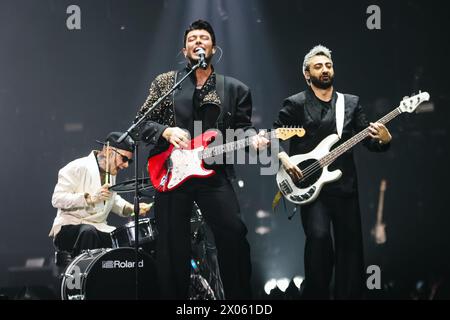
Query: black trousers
(320, 256)
(217, 201)
(75, 238)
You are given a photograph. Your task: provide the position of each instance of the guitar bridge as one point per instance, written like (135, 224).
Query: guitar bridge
(303, 197)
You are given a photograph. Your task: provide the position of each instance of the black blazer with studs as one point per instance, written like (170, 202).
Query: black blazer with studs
(227, 100)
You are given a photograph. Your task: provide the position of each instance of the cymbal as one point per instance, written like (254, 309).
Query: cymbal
(129, 185)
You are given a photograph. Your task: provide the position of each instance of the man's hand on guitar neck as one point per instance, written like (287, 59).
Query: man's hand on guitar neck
(294, 172)
(176, 136)
(379, 131)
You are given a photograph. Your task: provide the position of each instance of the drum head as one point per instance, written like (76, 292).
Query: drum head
(112, 276)
(125, 236)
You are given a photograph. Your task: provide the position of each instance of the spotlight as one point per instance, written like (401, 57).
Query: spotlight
(241, 183)
(262, 230)
(298, 281)
(261, 214)
(263, 223)
(271, 284)
(282, 284)
(420, 285)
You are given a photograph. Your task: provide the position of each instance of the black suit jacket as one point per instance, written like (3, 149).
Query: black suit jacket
(301, 109)
(229, 101)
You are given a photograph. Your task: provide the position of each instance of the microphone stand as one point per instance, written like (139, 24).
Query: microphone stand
(136, 139)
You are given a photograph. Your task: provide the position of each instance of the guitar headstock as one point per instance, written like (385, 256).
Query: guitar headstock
(285, 133)
(409, 104)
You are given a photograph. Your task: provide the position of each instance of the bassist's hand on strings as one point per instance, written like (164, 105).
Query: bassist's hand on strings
(176, 136)
(294, 172)
(380, 132)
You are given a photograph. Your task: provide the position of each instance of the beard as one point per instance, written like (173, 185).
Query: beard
(322, 84)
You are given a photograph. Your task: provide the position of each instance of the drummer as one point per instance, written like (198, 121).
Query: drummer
(84, 201)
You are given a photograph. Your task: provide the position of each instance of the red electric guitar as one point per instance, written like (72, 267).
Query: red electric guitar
(171, 168)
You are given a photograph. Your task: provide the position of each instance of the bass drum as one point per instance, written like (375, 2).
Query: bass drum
(109, 274)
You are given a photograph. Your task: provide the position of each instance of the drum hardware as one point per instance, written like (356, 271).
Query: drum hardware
(129, 186)
(129, 235)
(206, 283)
(199, 288)
(71, 276)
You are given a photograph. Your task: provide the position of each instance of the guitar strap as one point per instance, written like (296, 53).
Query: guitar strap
(220, 89)
(340, 112)
(220, 86)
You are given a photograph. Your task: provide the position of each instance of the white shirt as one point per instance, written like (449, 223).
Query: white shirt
(74, 180)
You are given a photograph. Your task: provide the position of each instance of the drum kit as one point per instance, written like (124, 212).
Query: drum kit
(112, 274)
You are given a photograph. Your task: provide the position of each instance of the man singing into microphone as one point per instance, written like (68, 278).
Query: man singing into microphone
(219, 102)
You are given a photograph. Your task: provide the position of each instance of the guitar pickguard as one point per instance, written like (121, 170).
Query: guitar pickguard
(186, 163)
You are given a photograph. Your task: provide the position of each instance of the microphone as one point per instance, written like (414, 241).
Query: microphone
(201, 53)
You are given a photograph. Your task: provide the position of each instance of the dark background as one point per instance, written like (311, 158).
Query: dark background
(61, 89)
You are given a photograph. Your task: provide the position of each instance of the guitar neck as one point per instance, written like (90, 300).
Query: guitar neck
(350, 143)
(380, 208)
(232, 146)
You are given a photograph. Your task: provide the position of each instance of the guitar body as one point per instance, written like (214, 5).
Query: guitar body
(171, 168)
(308, 188)
(379, 230)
